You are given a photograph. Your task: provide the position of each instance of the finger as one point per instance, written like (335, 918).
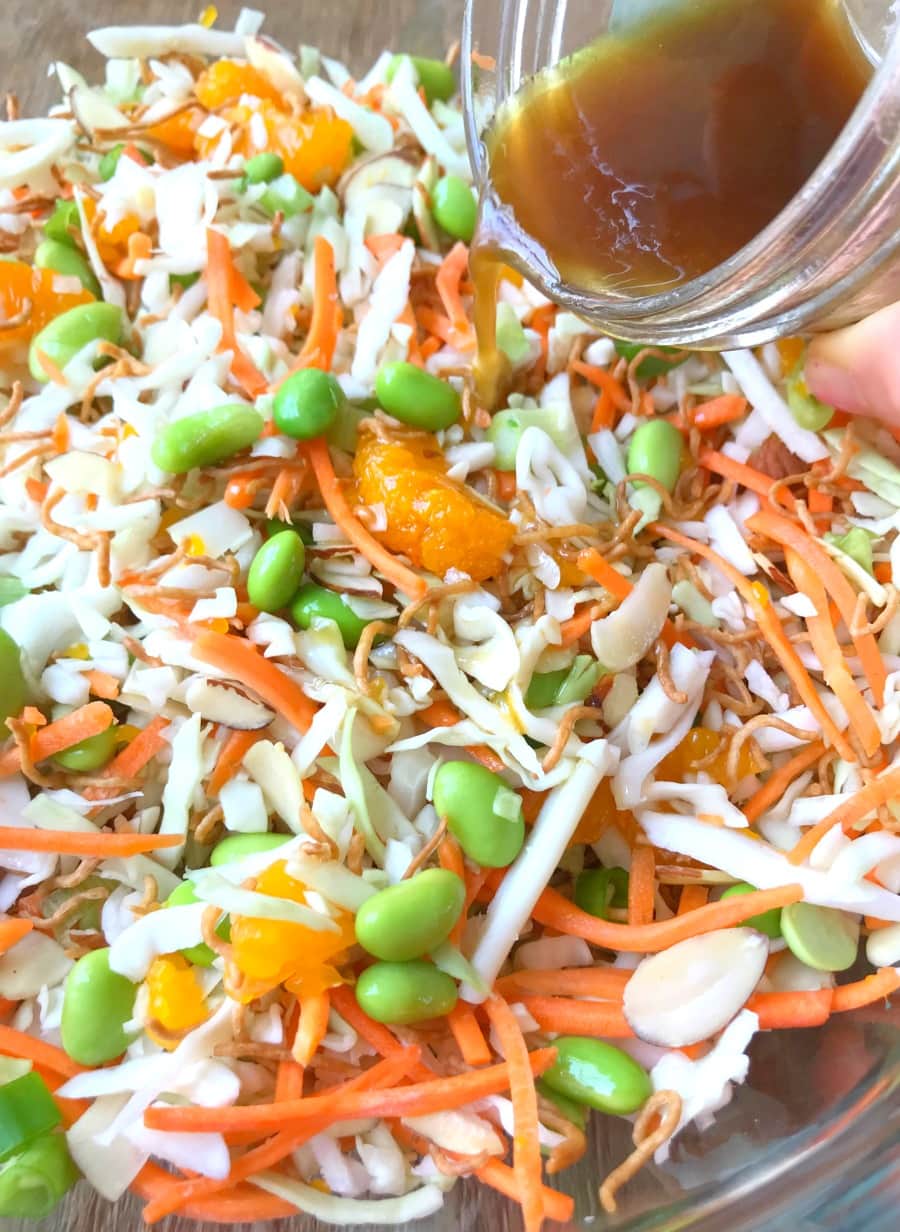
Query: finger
(857, 369)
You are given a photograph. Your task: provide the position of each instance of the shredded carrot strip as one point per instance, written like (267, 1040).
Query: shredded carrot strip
(469, 1037)
(641, 886)
(143, 748)
(771, 628)
(598, 567)
(863, 992)
(229, 760)
(747, 476)
(288, 1081)
(140, 248)
(719, 411)
(526, 1144)
(437, 324)
(72, 728)
(779, 780)
(506, 484)
(381, 1039)
(177, 1193)
(789, 534)
(221, 280)
(13, 930)
(692, 897)
(449, 276)
(557, 1206)
(102, 684)
(318, 349)
(417, 1099)
(83, 843)
(868, 798)
(15, 1043)
(555, 911)
(778, 1010)
(314, 1011)
(239, 658)
(827, 648)
(603, 983)
(573, 629)
(568, 1016)
(451, 857)
(380, 558)
(603, 380)
(604, 415)
(240, 1205)
(384, 246)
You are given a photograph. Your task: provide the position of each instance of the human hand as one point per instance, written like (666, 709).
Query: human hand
(857, 369)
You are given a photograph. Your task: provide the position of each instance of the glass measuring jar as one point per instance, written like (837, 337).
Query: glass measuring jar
(828, 258)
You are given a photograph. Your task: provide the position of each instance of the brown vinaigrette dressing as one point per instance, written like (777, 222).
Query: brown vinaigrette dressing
(652, 156)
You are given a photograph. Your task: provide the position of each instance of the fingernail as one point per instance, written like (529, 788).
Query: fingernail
(836, 386)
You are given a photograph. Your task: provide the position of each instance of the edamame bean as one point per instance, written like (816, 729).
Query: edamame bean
(400, 993)
(238, 846)
(201, 955)
(276, 571)
(821, 937)
(599, 1075)
(411, 918)
(417, 398)
(11, 590)
(67, 260)
(435, 77)
(570, 1108)
(808, 411)
(64, 223)
(651, 365)
(313, 602)
(568, 684)
(106, 168)
(307, 404)
(598, 889)
(482, 813)
(454, 208)
(14, 692)
(655, 450)
(768, 922)
(89, 754)
(97, 1002)
(206, 438)
(286, 196)
(262, 168)
(70, 332)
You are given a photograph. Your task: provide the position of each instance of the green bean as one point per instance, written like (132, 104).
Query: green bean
(655, 450)
(97, 1002)
(33, 1180)
(276, 571)
(286, 196)
(567, 684)
(597, 1074)
(262, 168)
(651, 365)
(67, 260)
(435, 77)
(598, 889)
(417, 398)
(857, 543)
(822, 937)
(11, 590)
(14, 693)
(405, 992)
(64, 224)
(768, 922)
(201, 955)
(483, 813)
(454, 207)
(71, 332)
(239, 846)
(90, 754)
(411, 918)
(307, 404)
(106, 168)
(314, 602)
(206, 438)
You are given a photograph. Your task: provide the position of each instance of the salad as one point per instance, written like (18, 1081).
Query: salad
(389, 783)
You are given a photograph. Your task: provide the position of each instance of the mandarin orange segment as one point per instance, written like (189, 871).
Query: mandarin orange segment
(431, 519)
(691, 756)
(226, 81)
(178, 132)
(175, 997)
(600, 813)
(29, 298)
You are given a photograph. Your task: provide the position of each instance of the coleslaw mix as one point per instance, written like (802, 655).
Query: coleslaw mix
(386, 782)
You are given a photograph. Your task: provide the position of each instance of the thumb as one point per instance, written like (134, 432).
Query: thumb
(857, 369)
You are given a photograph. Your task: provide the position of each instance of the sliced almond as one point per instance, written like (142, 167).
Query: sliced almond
(223, 703)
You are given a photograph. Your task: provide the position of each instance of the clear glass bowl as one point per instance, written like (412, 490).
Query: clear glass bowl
(811, 1143)
(828, 258)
